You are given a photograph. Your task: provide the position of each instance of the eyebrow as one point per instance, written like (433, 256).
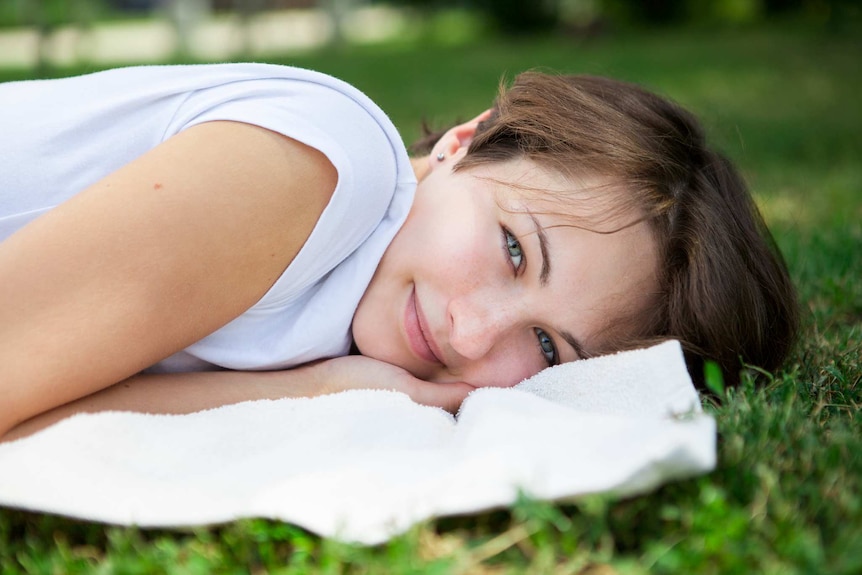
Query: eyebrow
(576, 345)
(544, 276)
(543, 248)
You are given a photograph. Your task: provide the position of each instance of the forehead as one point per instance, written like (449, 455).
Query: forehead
(602, 282)
(588, 201)
(603, 257)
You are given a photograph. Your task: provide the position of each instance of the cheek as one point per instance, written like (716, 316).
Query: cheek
(457, 253)
(500, 376)
(504, 369)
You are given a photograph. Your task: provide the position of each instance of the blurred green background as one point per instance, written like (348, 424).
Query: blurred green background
(510, 16)
(41, 33)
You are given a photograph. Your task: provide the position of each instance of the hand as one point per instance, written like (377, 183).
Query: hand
(360, 372)
(189, 392)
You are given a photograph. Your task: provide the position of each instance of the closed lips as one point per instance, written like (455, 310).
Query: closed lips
(416, 329)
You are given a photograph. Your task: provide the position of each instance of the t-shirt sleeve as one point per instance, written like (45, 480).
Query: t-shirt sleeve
(338, 123)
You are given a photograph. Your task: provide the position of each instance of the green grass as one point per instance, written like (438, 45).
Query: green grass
(787, 494)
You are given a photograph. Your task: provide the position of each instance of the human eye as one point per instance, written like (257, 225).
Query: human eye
(513, 249)
(547, 347)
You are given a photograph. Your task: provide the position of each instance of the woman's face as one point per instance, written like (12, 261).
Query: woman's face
(484, 286)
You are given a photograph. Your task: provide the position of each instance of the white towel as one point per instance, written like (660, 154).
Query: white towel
(363, 466)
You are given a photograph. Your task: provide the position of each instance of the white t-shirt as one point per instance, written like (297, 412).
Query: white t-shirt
(59, 136)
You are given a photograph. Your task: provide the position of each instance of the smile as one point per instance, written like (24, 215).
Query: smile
(416, 329)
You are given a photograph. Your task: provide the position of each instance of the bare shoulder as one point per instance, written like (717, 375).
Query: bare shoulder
(150, 259)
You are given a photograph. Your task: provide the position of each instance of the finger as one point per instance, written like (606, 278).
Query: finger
(448, 396)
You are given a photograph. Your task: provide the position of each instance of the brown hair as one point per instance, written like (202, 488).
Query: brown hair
(724, 290)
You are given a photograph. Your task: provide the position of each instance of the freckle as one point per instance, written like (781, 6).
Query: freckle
(157, 186)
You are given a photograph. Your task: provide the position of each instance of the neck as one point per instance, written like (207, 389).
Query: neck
(420, 167)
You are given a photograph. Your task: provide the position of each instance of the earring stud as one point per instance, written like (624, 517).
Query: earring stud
(441, 156)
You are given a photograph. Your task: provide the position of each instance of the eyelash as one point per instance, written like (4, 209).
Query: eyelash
(511, 243)
(551, 355)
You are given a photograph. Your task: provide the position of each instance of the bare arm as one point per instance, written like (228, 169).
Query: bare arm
(152, 258)
(189, 392)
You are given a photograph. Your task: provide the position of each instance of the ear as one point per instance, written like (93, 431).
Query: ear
(455, 141)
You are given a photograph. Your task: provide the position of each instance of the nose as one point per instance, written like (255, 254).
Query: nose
(478, 322)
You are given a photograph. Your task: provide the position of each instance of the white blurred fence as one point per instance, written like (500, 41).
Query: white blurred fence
(191, 29)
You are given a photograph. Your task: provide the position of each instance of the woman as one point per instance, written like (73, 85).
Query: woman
(177, 220)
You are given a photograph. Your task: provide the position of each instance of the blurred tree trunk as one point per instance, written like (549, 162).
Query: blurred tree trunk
(186, 15)
(35, 15)
(246, 10)
(85, 14)
(47, 18)
(337, 11)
